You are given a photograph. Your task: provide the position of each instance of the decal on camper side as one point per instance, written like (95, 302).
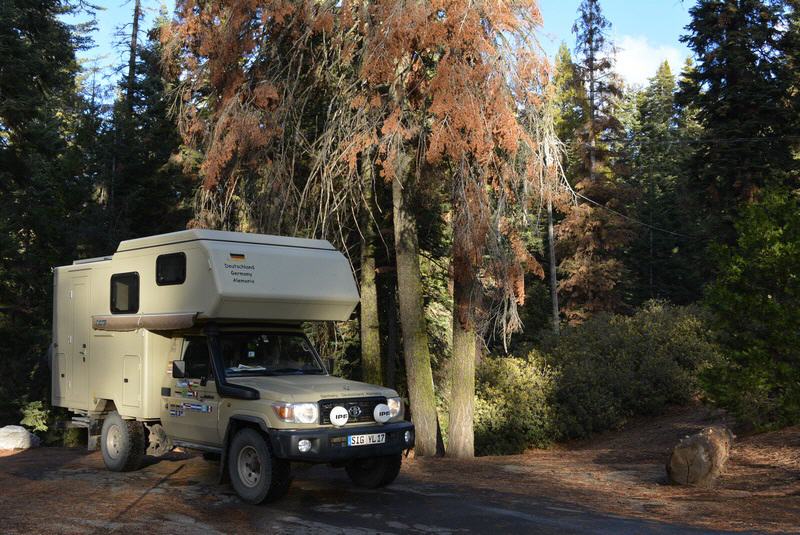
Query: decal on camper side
(241, 273)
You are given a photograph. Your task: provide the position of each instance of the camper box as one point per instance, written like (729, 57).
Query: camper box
(114, 317)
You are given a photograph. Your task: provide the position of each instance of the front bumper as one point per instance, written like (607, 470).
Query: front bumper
(329, 444)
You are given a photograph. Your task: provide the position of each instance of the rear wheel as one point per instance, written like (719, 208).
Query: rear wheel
(122, 443)
(256, 474)
(374, 472)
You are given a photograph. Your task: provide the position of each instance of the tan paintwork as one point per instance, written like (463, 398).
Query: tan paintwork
(208, 428)
(99, 357)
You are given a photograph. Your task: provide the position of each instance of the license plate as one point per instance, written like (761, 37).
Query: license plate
(366, 440)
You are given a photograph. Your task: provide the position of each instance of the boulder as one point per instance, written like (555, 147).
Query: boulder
(16, 437)
(700, 458)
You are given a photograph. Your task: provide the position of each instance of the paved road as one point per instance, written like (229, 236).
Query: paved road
(53, 490)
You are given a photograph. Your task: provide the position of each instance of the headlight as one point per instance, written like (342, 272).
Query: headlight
(297, 413)
(395, 407)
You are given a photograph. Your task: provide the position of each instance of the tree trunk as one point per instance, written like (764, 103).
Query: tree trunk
(137, 14)
(370, 321)
(551, 248)
(461, 436)
(392, 336)
(699, 459)
(592, 108)
(412, 318)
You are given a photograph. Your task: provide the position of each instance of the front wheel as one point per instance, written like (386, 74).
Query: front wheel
(374, 472)
(122, 443)
(256, 474)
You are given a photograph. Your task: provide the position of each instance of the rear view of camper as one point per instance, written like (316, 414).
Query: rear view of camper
(184, 339)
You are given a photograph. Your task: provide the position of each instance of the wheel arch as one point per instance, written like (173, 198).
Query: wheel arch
(235, 423)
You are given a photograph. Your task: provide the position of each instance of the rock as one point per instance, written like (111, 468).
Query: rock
(699, 459)
(15, 437)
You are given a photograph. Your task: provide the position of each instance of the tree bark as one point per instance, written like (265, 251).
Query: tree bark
(392, 336)
(461, 436)
(551, 249)
(699, 459)
(137, 14)
(372, 371)
(412, 318)
(592, 107)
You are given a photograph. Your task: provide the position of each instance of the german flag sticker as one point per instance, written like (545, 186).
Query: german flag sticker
(237, 256)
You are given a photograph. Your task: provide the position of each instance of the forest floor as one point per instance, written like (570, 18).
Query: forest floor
(614, 483)
(624, 473)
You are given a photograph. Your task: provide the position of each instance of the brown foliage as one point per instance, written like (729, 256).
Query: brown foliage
(444, 80)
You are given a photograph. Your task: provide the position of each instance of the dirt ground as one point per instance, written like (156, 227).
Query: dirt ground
(623, 473)
(613, 484)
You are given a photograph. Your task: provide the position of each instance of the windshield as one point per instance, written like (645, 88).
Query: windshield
(254, 354)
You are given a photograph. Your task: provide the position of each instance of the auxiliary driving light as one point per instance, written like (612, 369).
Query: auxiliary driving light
(305, 445)
(407, 437)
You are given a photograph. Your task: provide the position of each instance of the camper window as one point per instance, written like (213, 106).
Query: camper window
(125, 293)
(171, 269)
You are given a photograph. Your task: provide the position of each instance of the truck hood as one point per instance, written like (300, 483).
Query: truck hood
(310, 388)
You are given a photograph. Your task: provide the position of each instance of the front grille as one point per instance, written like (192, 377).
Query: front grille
(366, 405)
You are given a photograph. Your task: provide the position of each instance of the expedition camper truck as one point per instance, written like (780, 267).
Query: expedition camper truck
(195, 339)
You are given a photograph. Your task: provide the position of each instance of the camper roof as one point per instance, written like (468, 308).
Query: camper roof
(185, 236)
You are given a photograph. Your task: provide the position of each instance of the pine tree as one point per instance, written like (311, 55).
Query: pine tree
(741, 104)
(592, 236)
(660, 135)
(152, 192)
(42, 187)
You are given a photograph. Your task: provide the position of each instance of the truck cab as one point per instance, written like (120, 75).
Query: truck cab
(195, 339)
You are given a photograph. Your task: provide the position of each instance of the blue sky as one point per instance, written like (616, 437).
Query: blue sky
(646, 32)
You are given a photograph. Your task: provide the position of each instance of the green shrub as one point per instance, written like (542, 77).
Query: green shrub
(756, 303)
(613, 367)
(513, 406)
(35, 416)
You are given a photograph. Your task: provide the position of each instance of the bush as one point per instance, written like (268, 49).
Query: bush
(35, 416)
(756, 303)
(614, 367)
(513, 406)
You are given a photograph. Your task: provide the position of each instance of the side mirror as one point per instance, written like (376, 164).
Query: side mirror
(329, 363)
(178, 369)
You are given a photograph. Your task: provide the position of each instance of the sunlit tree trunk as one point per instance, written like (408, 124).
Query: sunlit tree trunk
(551, 249)
(412, 318)
(461, 437)
(370, 320)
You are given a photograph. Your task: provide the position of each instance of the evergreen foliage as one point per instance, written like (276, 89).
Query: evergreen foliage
(591, 237)
(740, 97)
(421, 141)
(658, 135)
(42, 188)
(756, 300)
(613, 367)
(74, 180)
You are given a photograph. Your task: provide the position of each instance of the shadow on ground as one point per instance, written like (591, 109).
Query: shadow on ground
(612, 485)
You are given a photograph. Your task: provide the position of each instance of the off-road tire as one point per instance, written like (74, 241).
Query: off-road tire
(122, 443)
(374, 472)
(256, 474)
